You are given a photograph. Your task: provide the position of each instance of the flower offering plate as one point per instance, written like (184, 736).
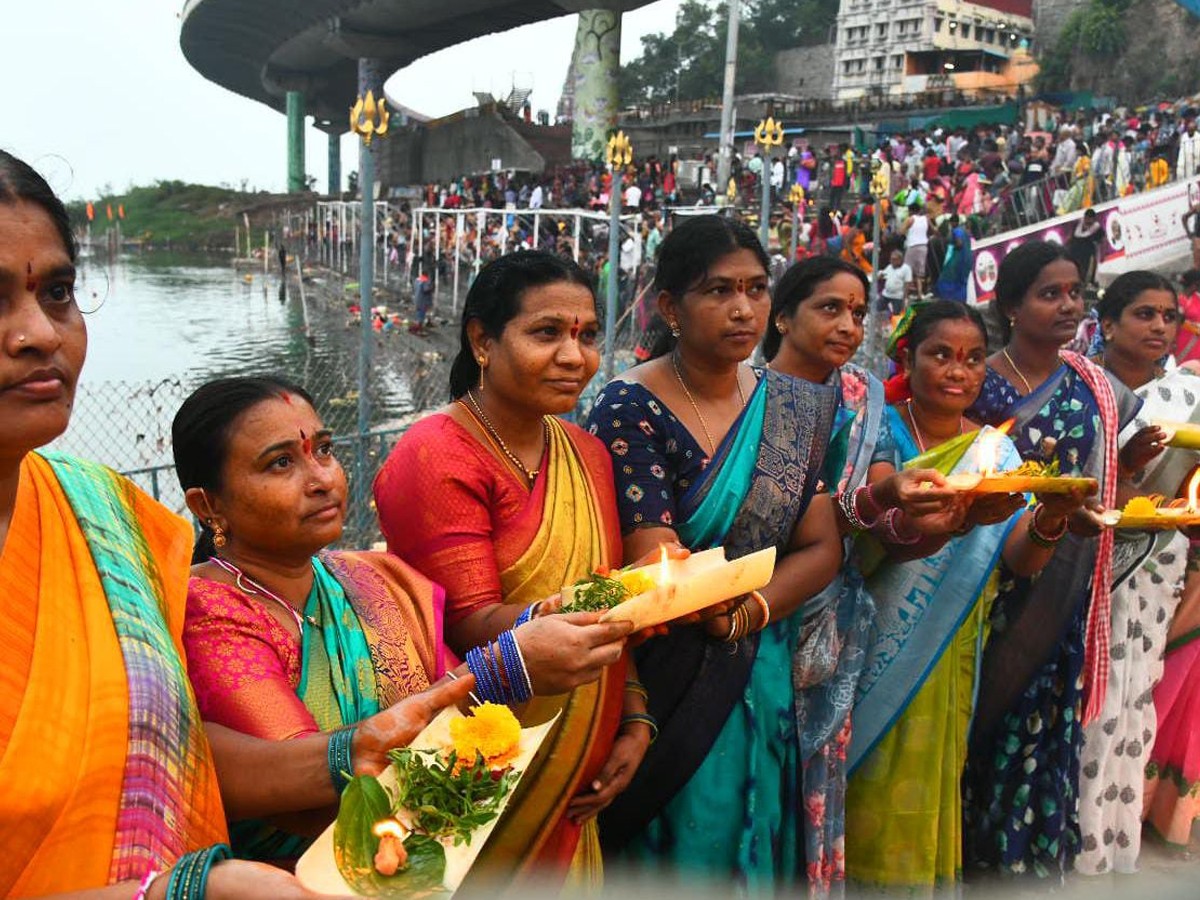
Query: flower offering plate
(318, 869)
(685, 586)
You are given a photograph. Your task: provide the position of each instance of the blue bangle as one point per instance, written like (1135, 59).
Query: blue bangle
(486, 685)
(525, 616)
(514, 668)
(341, 765)
(645, 719)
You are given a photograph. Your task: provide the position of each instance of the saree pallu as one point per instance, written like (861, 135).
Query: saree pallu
(1021, 785)
(106, 770)
(1148, 575)
(370, 649)
(831, 648)
(915, 697)
(1172, 801)
(572, 539)
(717, 794)
(1172, 790)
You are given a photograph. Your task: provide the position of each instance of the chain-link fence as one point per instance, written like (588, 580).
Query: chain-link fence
(127, 425)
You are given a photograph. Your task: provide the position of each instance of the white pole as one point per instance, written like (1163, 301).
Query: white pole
(725, 156)
(480, 225)
(303, 299)
(420, 239)
(578, 219)
(537, 231)
(458, 226)
(437, 250)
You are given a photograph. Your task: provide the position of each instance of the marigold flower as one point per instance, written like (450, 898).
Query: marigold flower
(490, 729)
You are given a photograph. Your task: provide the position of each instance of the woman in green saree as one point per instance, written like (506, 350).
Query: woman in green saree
(915, 696)
(708, 452)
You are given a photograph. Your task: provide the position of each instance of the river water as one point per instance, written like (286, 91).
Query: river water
(171, 321)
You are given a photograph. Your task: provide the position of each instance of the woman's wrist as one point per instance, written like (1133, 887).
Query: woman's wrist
(644, 724)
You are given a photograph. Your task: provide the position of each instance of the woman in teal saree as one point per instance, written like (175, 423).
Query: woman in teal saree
(817, 318)
(717, 794)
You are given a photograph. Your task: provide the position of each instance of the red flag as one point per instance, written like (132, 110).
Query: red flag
(121, 210)
(91, 211)
(108, 209)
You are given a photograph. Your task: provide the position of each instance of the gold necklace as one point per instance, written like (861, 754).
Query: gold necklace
(917, 428)
(481, 417)
(1020, 374)
(696, 409)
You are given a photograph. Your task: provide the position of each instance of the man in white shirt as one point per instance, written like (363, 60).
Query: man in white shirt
(535, 197)
(897, 283)
(1065, 154)
(633, 197)
(916, 244)
(1187, 163)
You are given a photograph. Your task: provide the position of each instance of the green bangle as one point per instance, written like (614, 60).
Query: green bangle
(189, 876)
(645, 719)
(633, 686)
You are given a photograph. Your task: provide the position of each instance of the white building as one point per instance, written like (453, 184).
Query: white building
(893, 48)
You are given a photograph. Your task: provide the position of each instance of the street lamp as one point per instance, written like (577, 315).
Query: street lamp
(796, 196)
(368, 119)
(880, 188)
(618, 154)
(767, 134)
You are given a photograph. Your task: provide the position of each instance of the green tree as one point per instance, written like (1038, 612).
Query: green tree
(689, 63)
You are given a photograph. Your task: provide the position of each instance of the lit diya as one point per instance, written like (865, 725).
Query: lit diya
(1183, 435)
(1032, 477)
(669, 589)
(1156, 513)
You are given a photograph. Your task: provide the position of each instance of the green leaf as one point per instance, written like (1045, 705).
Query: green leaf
(365, 802)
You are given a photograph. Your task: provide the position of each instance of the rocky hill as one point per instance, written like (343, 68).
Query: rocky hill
(1134, 50)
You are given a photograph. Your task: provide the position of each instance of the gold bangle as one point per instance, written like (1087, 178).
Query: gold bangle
(764, 606)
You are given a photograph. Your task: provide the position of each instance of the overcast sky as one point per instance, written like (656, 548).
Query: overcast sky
(99, 93)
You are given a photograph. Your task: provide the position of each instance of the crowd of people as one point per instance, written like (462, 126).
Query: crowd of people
(934, 685)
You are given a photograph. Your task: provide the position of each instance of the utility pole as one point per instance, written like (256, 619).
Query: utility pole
(725, 158)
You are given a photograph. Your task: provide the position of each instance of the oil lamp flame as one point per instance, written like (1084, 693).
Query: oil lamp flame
(664, 568)
(1193, 489)
(985, 455)
(389, 828)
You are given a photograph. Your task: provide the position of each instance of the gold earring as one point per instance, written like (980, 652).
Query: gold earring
(674, 326)
(219, 539)
(780, 328)
(482, 366)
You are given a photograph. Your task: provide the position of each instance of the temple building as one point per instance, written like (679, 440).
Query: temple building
(898, 48)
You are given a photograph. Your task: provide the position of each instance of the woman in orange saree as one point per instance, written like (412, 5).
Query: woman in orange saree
(108, 779)
(502, 504)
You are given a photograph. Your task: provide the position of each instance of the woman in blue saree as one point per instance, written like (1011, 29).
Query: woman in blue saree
(916, 692)
(959, 263)
(708, 452)
(1044, 671)
(817, 323)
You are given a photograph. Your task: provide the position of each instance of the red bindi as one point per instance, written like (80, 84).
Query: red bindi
(305, 443)
(30, 281)
(287, 398)
(575, 329)
(961, 355)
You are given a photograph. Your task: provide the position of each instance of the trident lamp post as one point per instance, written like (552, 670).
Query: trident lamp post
(618, 154)
(767, 134)
(368, 120)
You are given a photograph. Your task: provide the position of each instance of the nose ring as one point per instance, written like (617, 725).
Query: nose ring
(21, 339)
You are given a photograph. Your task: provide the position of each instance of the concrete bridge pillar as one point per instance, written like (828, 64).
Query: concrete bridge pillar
(295, 151)
(594, 67)
(335, 163)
